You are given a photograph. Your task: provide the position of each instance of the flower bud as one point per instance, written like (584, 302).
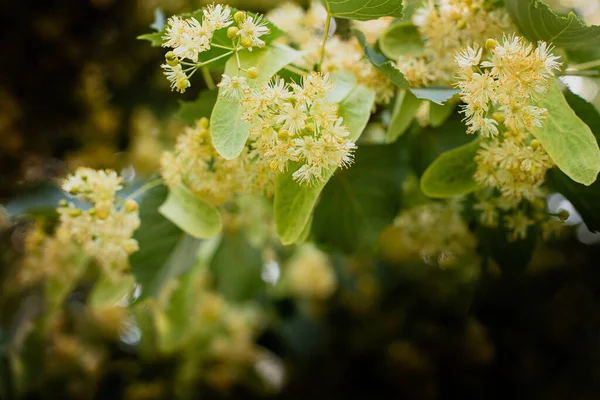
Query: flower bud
(232, 32)
(102, 213)
(74, 212)
(498, 117)
(534, 144)
(246, 42)
(283, 134)
(182, 84)
(239, 17)
(62, 203)
(563, 215)
(131, 206)
(491, 44)
(253, 73)
(204, 123)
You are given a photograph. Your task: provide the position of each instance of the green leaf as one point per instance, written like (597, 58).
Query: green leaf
(190, 213)
(154, 38)
(237, 267)
(190, 111)
(381, 62)
(451, 174)
(109, 292)
(343, 83)
(229, 132)
(293, 203)
(359, 202)
(165, 251)
(404, 112)
(438, 114)
(363, 10)
(568, 140)
(401, 39)
(429, 143)
(437, 95)
(536, 21)
(585, 199)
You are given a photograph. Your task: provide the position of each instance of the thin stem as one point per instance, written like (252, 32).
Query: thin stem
(569, 72)
(295, 70)
(237, 57)
(208, 78)
(584, 66)
(215, 59)
(144, 188)
(325, 36)
(222, 47)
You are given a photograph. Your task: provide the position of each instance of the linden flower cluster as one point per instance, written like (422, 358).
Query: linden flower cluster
(196, 163)
(435, 232)
(309, 274)
(446, 27)
(294, 123)
(305, 31)
(189, 37)
(104, 231)
(508, 88)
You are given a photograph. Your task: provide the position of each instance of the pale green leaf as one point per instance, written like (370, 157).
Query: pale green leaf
(108, 292)
(293, 203)
(229, 132)
(536, 21)
(401, 39)
(190, 213)
(381, 62)
(363, 10)
(405, 109)
(165, 251)
(437, 95)
(343, 83)
(438, 114)
(451, 174)
(568, 140)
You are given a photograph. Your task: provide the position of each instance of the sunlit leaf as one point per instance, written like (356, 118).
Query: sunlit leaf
(190, 213)
(451, 174)
(363, 10)
(568, 140)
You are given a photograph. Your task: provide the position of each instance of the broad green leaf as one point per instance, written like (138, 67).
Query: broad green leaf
(176, 326)
(363, 10)
(109, 292)
(536, 21)
(437, 95)
(343, 83)
(190, 111)
(356, 110)
(237, 267)
(190, 213)
(568, 140)
(429, 143)
(401, 39)
(165, 251)
(293, 203)
(438, 114)
(451, 174)
(585, 199)
(154, 38)
(229, 132)
(381, 62)
(405, 109)
(359, 202)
